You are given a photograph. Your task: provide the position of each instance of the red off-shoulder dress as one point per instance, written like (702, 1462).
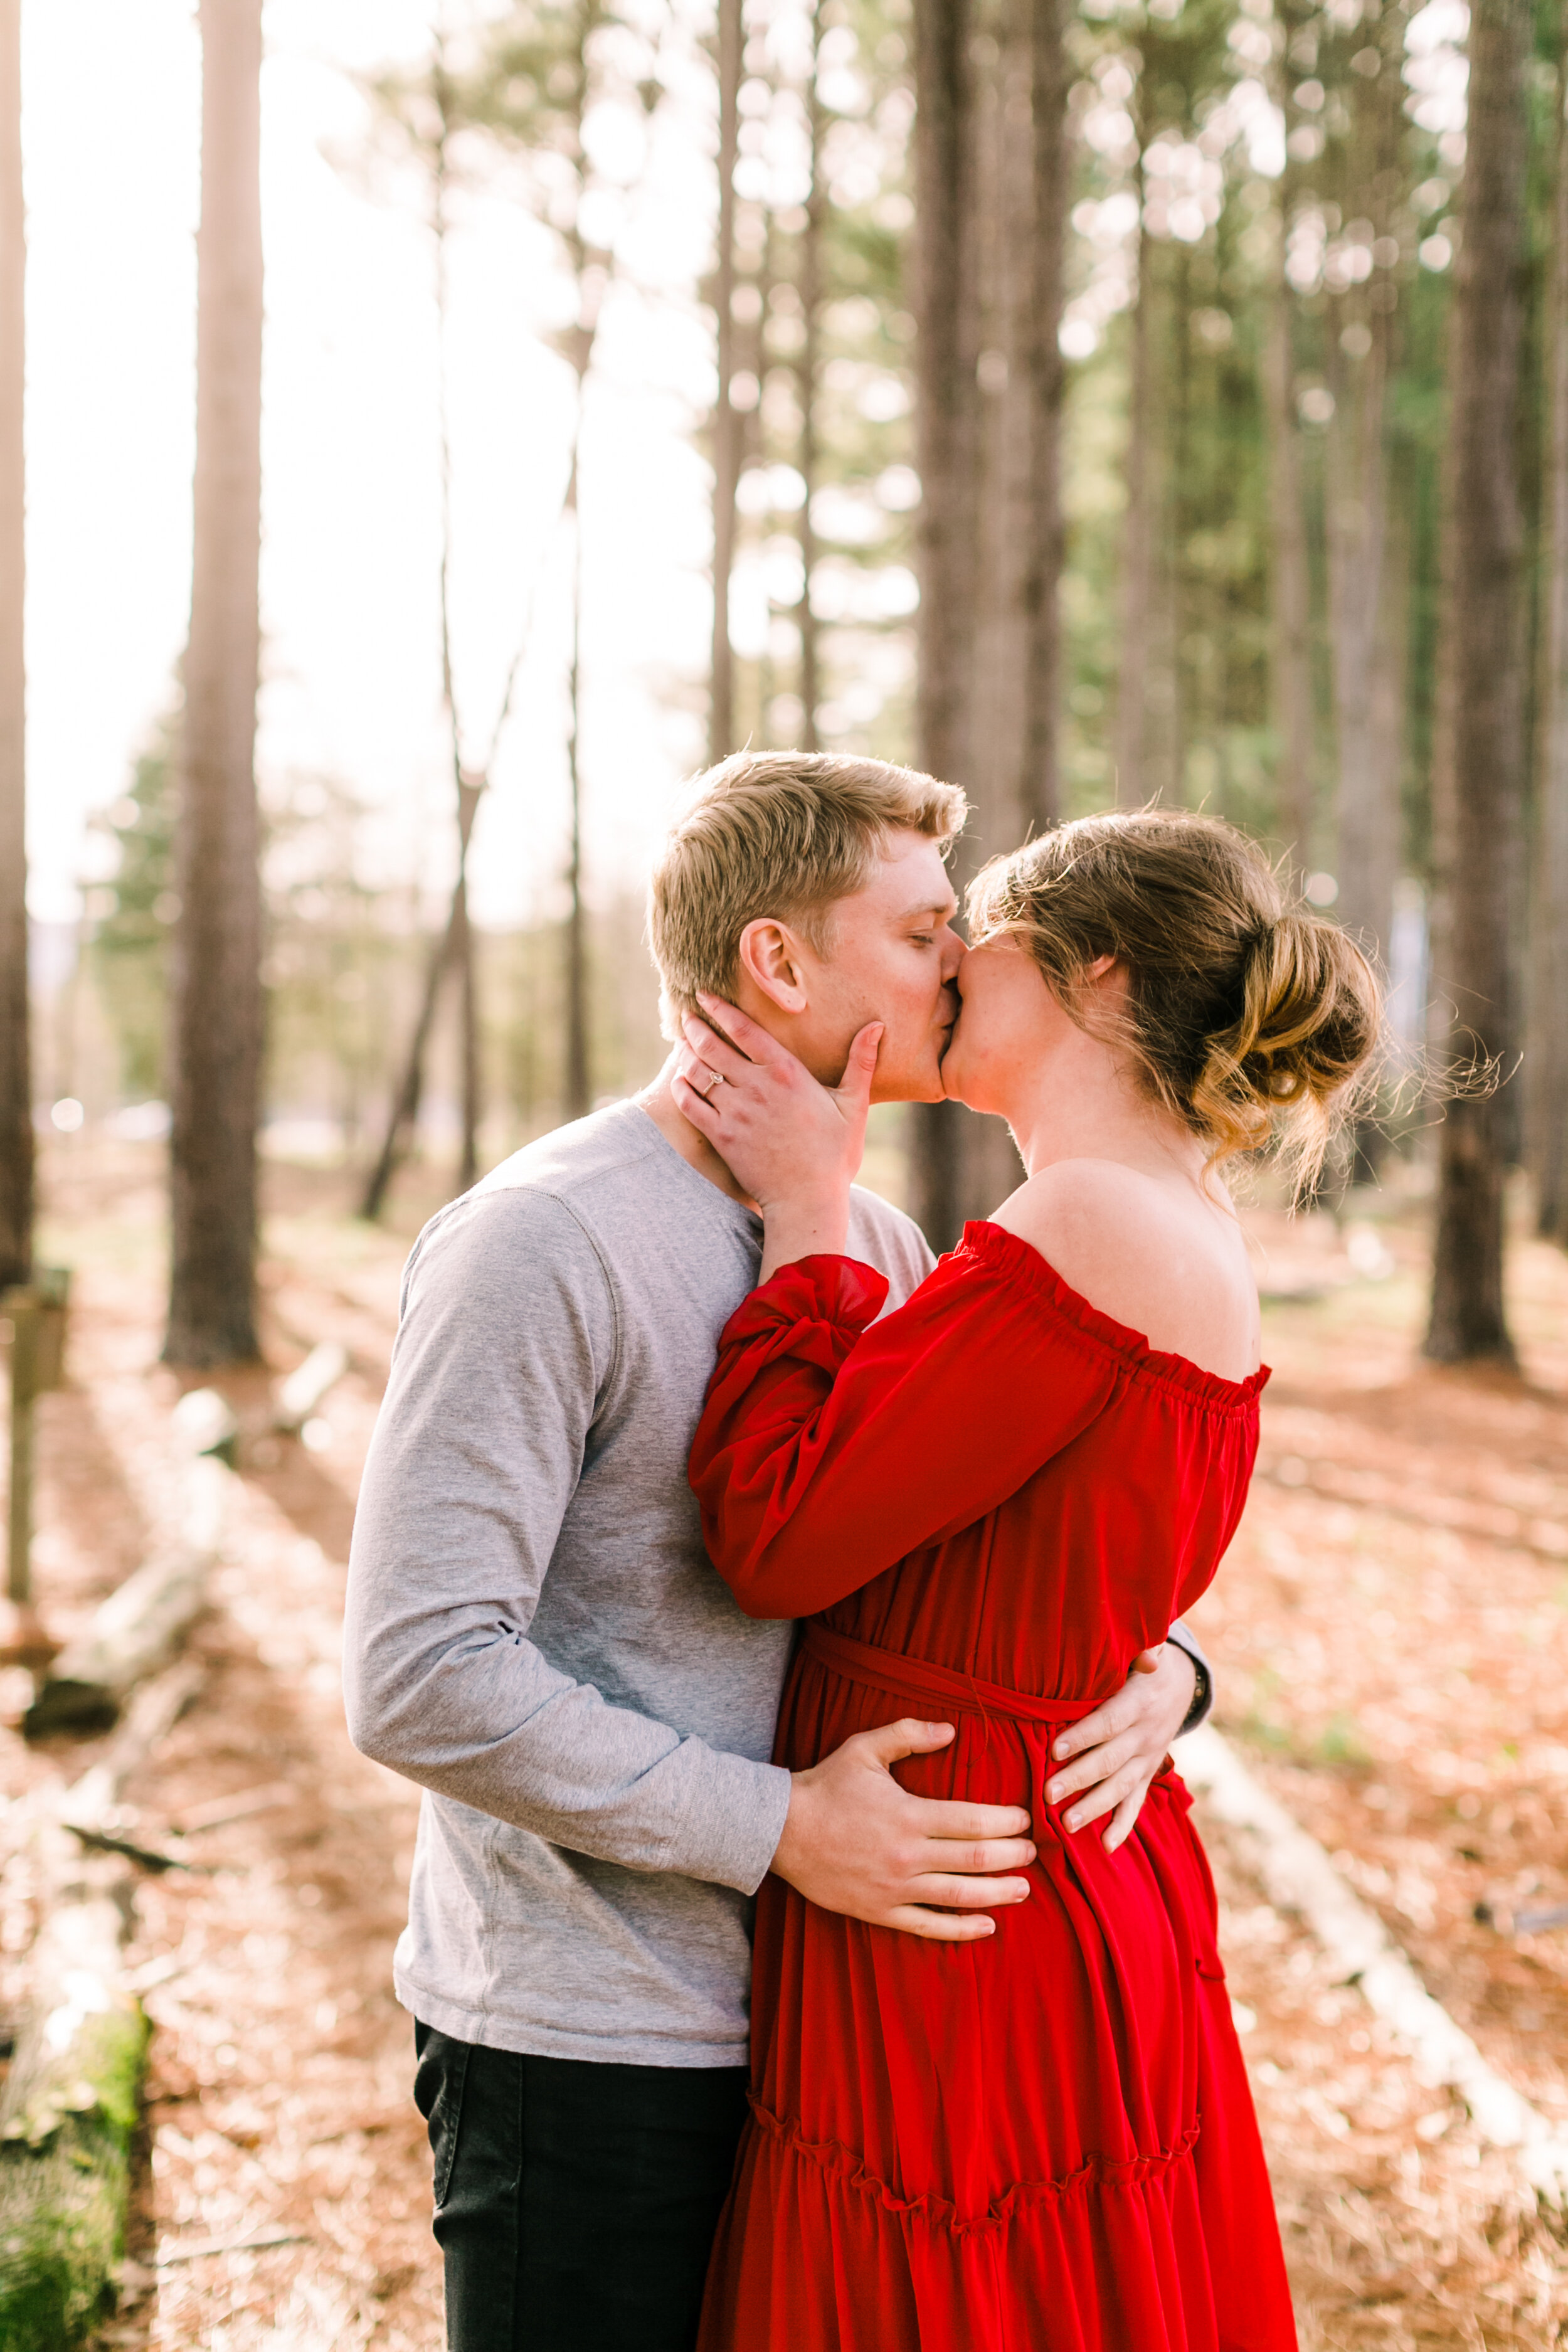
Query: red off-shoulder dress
(986, 1505)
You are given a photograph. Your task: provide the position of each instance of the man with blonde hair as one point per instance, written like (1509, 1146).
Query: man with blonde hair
(536, 1635)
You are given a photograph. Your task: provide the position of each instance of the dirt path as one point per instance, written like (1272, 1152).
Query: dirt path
(1391, 1632)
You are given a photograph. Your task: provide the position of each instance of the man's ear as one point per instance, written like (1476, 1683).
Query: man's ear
(773, 957)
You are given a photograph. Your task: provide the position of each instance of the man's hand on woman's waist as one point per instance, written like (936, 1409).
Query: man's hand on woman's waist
(856, 1843)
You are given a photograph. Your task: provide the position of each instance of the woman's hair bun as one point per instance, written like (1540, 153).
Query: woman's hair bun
(1253, 1016)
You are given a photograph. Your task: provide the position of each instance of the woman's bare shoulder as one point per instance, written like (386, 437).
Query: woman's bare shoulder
(1160, 1260)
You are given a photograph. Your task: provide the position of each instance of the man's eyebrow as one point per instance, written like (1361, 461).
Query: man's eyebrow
(945, 907)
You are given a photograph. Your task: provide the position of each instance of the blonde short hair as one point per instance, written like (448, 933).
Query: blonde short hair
(781, 833)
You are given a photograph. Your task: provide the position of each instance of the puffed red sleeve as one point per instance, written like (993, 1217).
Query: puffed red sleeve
(832, 1445)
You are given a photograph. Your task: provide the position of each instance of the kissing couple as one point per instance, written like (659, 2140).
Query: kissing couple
(809, 1947)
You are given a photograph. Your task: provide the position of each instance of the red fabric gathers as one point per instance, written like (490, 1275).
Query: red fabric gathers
(1044, 2141)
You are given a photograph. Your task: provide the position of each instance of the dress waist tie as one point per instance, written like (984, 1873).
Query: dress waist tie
(933, 1686)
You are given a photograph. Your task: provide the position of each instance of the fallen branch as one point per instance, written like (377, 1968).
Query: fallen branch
(156, 1859)
(69, 2106)
(302, 1395)
(1297, 1876)
(142, 1624)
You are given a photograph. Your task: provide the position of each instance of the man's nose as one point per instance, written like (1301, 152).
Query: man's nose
(953, 952)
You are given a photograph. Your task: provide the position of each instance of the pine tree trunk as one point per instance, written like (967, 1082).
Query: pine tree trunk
(1480, 758)
(1367, 806)
(1291, 596)
(16, 1086)
(1366, 809)
(947, 444)
(727, 420)
(1040, 794)
(217, 982)
(1137, 566)
(1547, 1062)
(578, 1087)
(991, 195)
(807, 370)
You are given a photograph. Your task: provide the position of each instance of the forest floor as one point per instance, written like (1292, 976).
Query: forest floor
(1390, 1633)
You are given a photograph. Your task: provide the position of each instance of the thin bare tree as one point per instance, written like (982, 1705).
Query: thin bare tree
(216, 1005)
(1291, 650)
(539, 72)
(1479, 778)
(1361, 322)
(728, 422)
(426, 111)
(1136, 584)
(16, 1086)
(1291, 591)
(1548, 1044)
(807, 373)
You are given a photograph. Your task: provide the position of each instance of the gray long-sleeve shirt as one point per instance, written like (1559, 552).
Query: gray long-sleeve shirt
(535, 1633)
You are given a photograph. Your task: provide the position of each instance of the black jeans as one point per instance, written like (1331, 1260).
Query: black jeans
(576, 2204)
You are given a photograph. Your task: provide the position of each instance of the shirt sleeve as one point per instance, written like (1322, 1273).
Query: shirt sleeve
(833, 1444)
(507, 1337)
(1202, 1707)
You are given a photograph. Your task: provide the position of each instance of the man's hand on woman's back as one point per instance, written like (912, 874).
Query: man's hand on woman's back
(856, 1842)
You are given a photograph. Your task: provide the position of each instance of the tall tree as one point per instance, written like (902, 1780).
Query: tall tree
(1043, 38)
(807, 372)
(216, 978)
(1361, 323)
(727, 418)
(15, 1086)
(1480, 780)
(1290, 652)
(540, 72)
(1136, 584)
(947, 444)
(990, 215)
(1548, 1050)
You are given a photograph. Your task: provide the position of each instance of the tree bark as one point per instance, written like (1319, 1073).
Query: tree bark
(578, 1085)
(216, 980)
(1137, 582)
(947, 441)
(1040, 788)
(727, 420)
(1292, 656)
(991, 195)
(1548, 1047)
(458, 950)
(1481, 756)
(1366, 812)
(807, 369)
(1367, 805)
(15, 1080)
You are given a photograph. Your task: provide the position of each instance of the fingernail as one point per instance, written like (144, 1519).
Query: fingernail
(1063, 1748)
(1033, 1854)
(1073, 1821)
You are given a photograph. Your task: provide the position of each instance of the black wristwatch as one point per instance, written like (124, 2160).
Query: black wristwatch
(1203, 1694)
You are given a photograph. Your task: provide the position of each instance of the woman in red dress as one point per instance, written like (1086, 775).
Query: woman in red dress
(986, 1506)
